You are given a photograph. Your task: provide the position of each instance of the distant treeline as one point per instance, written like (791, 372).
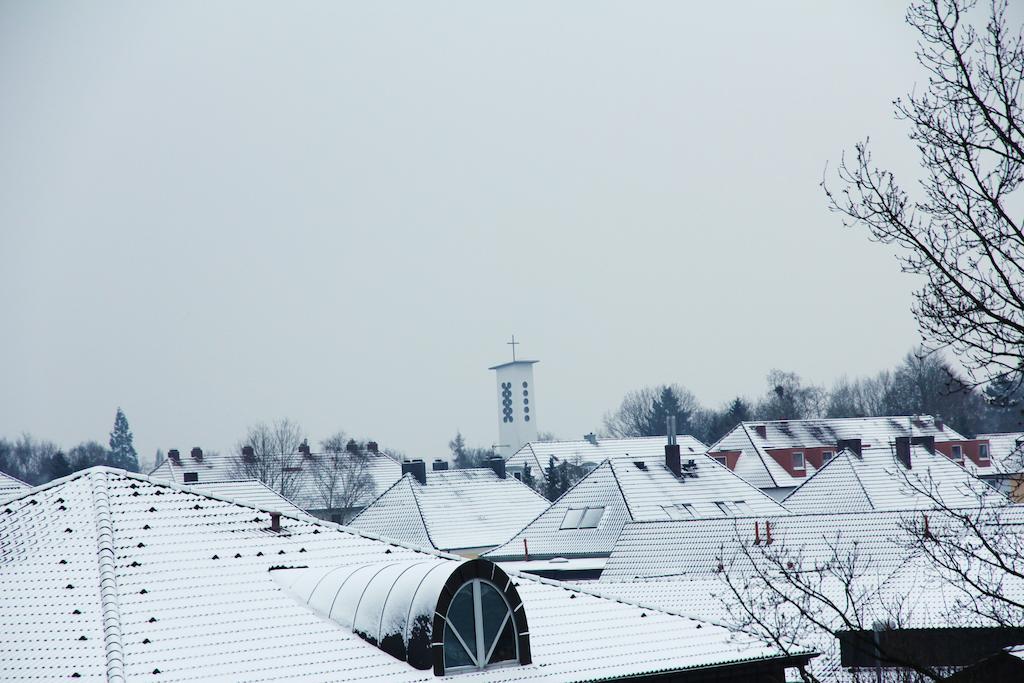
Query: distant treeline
(921, 384)
(38, 461)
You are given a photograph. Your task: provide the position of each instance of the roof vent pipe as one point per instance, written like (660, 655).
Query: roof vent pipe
(497, 464)
(903, 450)
(670, 429)
(416, 468)
(440, 465)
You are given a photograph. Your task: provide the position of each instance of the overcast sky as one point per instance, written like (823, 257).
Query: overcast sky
(218, 213)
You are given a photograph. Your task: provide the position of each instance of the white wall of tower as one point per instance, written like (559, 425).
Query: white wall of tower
(517, 407)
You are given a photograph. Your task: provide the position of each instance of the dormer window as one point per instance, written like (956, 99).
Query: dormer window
(827, 456)
(479, 629)
(958, 453)
(798, 462)
(983, 451)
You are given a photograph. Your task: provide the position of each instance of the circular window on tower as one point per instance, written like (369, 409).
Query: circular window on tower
(525, 385)
(527, 418)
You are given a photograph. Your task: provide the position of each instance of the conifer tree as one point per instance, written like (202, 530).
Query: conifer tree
(122, 451)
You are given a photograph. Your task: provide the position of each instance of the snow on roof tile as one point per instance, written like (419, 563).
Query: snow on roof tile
(455, 509)
(302, 487)
(250, 492)
(878, 481)
(114, 576)
(761, 470)
(1006, 451)
(10, 486)
(630, 489)
(536, 454)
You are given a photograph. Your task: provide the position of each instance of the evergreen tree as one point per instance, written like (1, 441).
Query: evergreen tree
(122, 451)
(665, 406)
(59, 466)
(528, 477)
(551, 480)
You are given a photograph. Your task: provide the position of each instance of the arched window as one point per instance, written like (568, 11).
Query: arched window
(479, 628)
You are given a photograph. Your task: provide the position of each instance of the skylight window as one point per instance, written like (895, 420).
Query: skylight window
(741, 507)
(582, 518)
(679, 511)
(723, 507)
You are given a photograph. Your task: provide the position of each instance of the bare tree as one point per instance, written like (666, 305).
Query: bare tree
(343, 480)
(960, 233)
(643, 412)
(275, 460)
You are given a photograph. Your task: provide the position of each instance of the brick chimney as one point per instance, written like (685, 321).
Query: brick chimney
(938, 423)
(304, 450)
(672, 461)
(903, 450)
(440, 465)
(174, 456)
(197, 454)
(372, 446)
(417, 468)
(762, 431)
(852, 445)
(275, 521)
(248, 455)
(926, 441)
(497, 464)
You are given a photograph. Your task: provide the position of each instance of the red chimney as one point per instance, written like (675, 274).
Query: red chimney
(762, 431)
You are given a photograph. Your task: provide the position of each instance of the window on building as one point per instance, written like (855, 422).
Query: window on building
(826, 456)
(742, 507)
(958, 453)
(723, 507)
(798, 461)
(721, 459)
(983, 451)
(518, 475)
(479, 630)
(582, 518)
(679, 511)
(191, 477)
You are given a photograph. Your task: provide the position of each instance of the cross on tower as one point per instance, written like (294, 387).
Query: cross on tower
(513, 344)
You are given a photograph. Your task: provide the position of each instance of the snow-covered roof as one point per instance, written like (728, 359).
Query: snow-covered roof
(251, 492)
(633, 488)
(455, 509)
(107, 575)
(876, 480)
(10, 486)
(537, 454)
(1006, 450)
(302, 485)
(762, 470)
(685, 568)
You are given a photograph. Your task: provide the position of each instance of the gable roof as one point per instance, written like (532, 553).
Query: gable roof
(302, 489)
(10, 486)
(536, 454)
(116, 576)
(630, 489)
(466, 508)
(878, 481)
(1006, 451)
(762, 470)
(249, 492)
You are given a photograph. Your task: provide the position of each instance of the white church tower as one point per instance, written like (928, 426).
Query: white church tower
(517, 405)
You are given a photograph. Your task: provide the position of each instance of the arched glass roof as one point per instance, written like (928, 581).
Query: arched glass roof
(399, 606)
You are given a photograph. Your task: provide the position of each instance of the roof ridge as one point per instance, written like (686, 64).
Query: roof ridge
(419, 511)
(760, 456)
(615, 477)
(106, 557)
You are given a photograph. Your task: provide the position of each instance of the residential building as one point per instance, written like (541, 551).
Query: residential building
(331, 486)
(465, 511)
(534, 456)
(903, 476)
(573, 537)
(778, 456)
(879, 604)
(10, 486)
(1007, 456)
(111, 576)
